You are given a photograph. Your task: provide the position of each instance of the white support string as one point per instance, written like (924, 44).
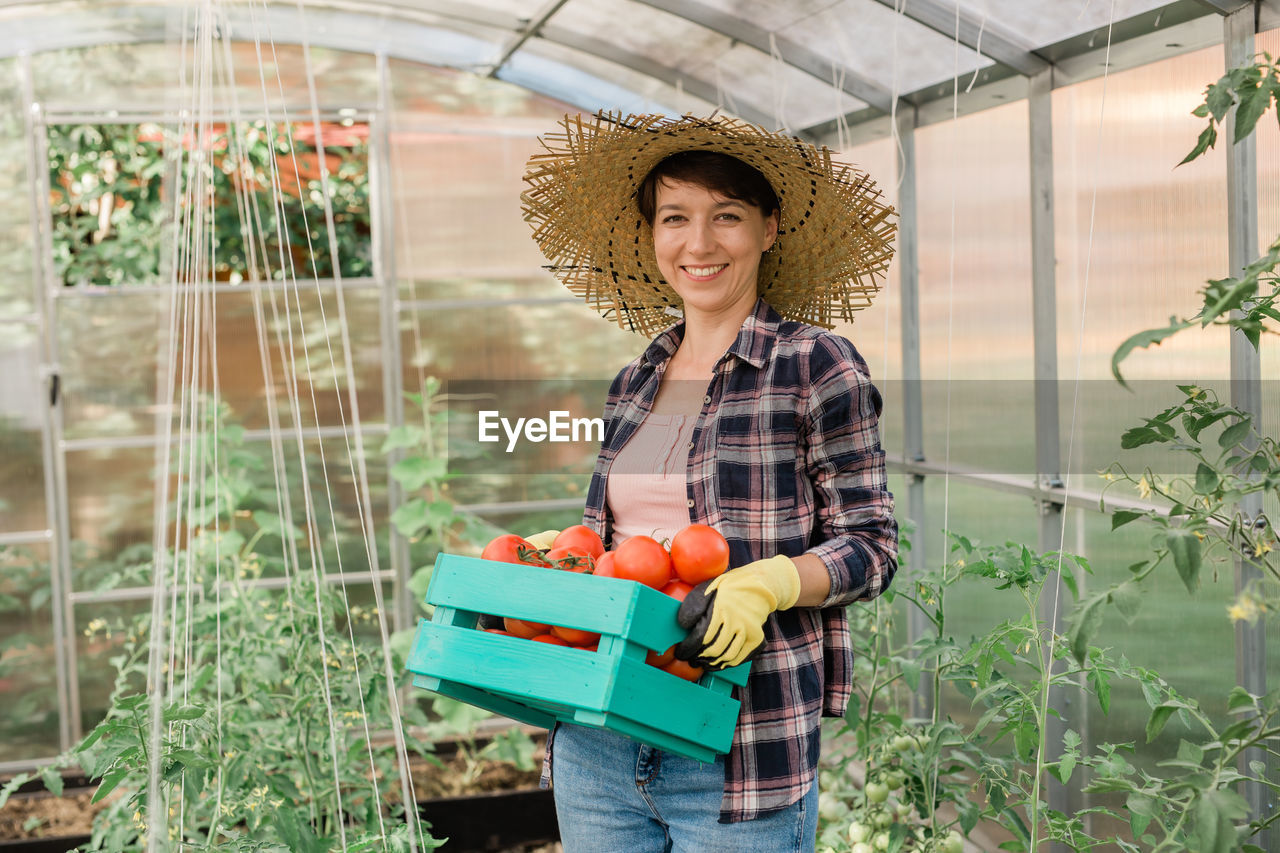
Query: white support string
(1075, 398)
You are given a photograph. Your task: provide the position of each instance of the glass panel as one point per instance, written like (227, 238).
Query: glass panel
(975, 291)
(111, 499)
(112, 349)
(29, 721)
(22, 403)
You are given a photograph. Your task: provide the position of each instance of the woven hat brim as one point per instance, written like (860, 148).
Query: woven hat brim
(835, 234)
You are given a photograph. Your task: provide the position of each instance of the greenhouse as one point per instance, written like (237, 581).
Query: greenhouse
(310, 306)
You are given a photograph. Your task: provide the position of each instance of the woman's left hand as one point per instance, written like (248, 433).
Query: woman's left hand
(725, 616)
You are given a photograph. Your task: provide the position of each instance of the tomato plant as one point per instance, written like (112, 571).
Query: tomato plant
(582, 537)
(699, 553)
(643, 559)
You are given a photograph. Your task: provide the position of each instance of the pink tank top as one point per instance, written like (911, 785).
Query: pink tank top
(646, 489)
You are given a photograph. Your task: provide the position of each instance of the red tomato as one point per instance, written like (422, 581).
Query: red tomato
(684, 669)
(498, 631)
(604, 566)
(510, 548)
(677, 589)
(549, 639)
(528, 630)
(660, 660)
(699, 553)
(574, 636)
(570, 558)
(643, 559)
(581, 536)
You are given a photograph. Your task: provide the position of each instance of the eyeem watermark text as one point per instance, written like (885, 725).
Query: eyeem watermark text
(558, 426)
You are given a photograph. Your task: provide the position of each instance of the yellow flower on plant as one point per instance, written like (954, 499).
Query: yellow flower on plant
(1244, 610)
(1262, 548)
(1144, 487)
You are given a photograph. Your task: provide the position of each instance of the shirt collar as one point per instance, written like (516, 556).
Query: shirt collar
(753, 344)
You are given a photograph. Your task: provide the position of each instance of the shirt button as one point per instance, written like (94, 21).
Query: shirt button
(691, 445)
(690, 503)
(706, 399)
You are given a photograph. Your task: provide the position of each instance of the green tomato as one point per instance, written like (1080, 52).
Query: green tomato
(903, 743)
(894, 780)
(922, 742)
(904, 809)
(830, 807)
(861, 847)
(859, 832)
(953, 843)
(883, 820)
(881, 841)
(877, 792)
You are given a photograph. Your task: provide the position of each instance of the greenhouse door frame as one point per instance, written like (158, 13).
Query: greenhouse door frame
(55, 446)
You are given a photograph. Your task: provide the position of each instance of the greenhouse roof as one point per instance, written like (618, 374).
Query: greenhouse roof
(810, 66)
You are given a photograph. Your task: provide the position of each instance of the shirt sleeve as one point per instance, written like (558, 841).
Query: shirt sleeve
(858, 535)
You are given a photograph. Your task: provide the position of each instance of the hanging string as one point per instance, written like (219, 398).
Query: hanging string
(777, 68)
(1075, 408)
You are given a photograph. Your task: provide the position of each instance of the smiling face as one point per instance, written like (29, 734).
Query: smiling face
(709, 245)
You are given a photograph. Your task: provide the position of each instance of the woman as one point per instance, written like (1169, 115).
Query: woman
(739, 417)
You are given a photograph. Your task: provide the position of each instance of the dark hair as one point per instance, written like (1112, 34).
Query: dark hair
(720, 173)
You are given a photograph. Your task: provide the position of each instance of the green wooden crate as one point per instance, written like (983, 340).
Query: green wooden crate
(541, 684)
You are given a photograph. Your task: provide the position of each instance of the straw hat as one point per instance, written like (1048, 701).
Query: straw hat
(835, 235)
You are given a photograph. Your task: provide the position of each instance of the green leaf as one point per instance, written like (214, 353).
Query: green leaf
(1184, 547)
(1208, 137)
(1254, 101)
(1121, 517)
(1026, 739)
(1143, 339)
(416, 471)
(911, 668)
(1219, 97)
(109, 783)
(1085, 626)
(1215, 816)
(1207, 479)
(1157, 720)
(1141, 810)
(1239, 699)
(1188, 751)
(274, 525)
(1127, 598)
(402, 437)
(410, 518)
(52, 779)
(1236, 433)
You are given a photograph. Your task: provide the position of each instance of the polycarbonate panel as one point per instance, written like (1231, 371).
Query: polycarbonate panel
(794, 99)
(662, 37)
(877, 331)
(17, 287)
(111, 496)
(114, 347)
(129, 77)
(457, 208)
(879, 45)
(29, 724)
(1039, 24)
(450, 100)
(976, 344)
(22, 406)
(634, 92)
(1137, 236)
(562, 78)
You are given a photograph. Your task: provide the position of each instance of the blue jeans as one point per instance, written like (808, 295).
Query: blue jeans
(614, 795)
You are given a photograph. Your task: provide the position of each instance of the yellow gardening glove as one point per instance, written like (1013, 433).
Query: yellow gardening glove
(542, 541)
(725, 616)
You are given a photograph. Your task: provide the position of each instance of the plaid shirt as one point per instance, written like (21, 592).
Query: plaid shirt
(786, 459)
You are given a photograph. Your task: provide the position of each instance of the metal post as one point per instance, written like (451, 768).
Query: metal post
(383, 211)
(1246, 384)
(922, 701)
(55, 467)
(1047, 418)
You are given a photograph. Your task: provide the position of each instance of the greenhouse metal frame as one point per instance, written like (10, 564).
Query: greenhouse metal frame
(1015, 73)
